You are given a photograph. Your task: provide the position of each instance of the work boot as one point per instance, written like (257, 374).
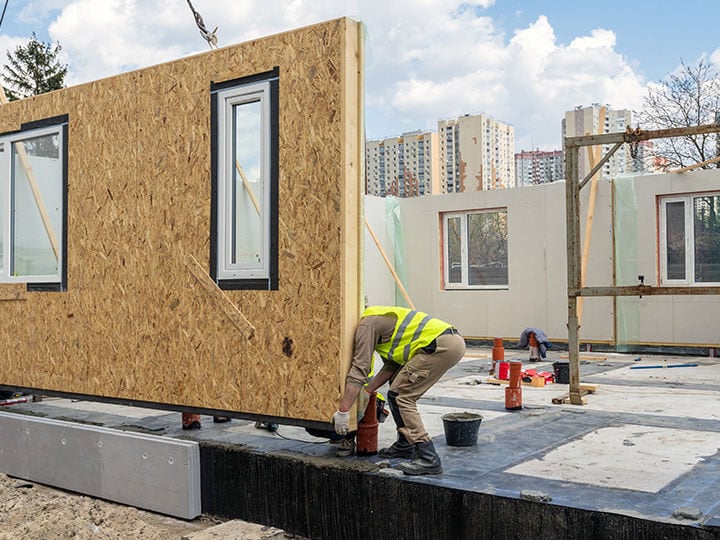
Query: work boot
(399, 449)
(426, 460)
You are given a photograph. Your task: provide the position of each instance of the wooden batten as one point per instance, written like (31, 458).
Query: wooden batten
(140, 319)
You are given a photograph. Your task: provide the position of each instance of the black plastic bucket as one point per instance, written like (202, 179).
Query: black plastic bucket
(562, 371)
(461, 428)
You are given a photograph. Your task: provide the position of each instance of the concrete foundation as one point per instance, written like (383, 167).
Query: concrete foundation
(639, 460)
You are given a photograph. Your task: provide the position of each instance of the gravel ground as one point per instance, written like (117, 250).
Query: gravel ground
(36, 512)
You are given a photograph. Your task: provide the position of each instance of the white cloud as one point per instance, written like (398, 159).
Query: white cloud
(715, 58)
(529, 81)
(425, 59)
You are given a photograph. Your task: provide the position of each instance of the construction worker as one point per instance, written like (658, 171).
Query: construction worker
(417, 350)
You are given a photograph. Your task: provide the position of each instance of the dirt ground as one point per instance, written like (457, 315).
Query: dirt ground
(35, 512)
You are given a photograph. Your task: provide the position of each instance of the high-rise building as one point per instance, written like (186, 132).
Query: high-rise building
(476, 153)
(405, 166)
(538, 167)
(594, 120)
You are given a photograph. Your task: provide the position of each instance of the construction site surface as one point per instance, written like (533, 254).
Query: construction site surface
(638, 460)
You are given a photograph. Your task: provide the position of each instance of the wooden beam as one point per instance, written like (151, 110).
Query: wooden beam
(640, 135)
(568, 398)
(223, 302)
(390, 266)
(593, 158)
(599, 165)
(697, 165)
(641, 290)
(247, 186)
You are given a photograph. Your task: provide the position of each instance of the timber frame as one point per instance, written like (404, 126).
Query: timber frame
(575, 287)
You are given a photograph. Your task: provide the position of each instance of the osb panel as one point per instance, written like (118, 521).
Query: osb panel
(137, 320)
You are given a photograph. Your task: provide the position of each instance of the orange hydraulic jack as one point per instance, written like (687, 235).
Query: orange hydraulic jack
(498, 353)
(513, 392)
(367, 433)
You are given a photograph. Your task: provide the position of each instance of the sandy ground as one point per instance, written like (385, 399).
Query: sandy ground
(35, 512)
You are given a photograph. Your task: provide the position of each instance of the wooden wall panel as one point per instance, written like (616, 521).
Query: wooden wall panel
(138, 320)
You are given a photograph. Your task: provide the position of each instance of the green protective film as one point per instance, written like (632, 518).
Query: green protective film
(627, 310)
(395, 231)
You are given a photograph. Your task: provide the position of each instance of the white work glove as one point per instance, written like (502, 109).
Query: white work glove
(341, 422)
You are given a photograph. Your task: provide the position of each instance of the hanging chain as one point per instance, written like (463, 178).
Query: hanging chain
(632, 138)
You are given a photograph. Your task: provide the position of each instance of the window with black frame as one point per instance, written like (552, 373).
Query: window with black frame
(245, 182)
(33, 205)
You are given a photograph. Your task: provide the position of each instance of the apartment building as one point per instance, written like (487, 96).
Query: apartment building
(600, 119)
(476, 153)
(538, 167)
(404, 166)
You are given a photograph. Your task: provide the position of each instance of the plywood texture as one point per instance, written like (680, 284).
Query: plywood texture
(137, 321)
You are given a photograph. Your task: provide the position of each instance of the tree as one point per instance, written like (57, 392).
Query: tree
(688, 97)
(33, 69)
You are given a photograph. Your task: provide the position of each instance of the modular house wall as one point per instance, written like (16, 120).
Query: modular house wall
(537, 261)
(140, 318)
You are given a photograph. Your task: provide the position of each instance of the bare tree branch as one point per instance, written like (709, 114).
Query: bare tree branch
(687, 97)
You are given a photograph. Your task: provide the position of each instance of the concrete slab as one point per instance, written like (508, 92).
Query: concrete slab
(630, 456)
(645, 445)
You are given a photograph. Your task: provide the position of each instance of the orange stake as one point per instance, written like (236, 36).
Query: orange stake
(513, 392)
(367, 433)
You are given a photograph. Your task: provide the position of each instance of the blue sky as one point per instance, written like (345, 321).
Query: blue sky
(522, 62)
(653, 35)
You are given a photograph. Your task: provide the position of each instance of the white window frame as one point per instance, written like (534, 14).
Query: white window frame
(689, 209)
(53, 281)
(464, 284)
(228, 99)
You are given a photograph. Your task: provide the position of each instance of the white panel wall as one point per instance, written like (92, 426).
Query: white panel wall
(537, 295)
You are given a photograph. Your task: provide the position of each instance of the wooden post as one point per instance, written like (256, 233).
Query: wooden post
(572, 200)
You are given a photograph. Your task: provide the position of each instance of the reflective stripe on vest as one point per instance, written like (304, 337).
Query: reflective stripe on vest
(402, 346)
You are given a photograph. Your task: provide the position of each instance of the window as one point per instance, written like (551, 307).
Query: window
(690, 239)
(33, 205)
(245, 183)
(476, 250)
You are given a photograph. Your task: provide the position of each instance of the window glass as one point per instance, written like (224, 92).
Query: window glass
(32, 205)
(707, 239)
(675, 239)
(245, 203)
(487, 248)
(476, 253)
(454, 249)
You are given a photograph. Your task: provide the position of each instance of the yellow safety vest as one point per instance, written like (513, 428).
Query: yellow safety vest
(413, 330)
